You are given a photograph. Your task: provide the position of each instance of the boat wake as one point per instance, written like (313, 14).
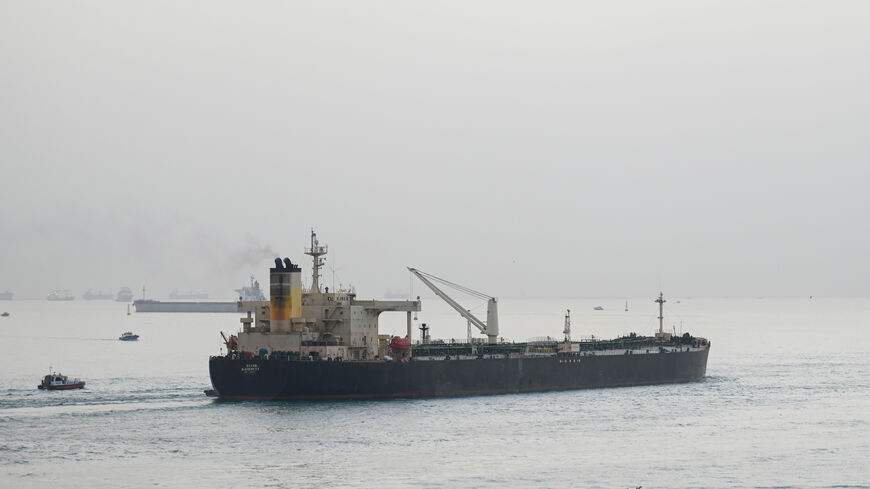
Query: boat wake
(103, 396)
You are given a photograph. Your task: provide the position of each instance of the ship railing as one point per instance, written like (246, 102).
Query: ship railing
(538, 340)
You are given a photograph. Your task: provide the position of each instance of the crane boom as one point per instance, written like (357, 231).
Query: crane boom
(489, 328)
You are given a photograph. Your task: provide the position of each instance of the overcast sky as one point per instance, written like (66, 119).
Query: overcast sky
(525, 149)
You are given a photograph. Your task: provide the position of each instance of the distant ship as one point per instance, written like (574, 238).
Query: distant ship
(98, 296)
(598, 308)
(6, 296)
(324, 345)
(251, 293)
(176, 295)
(56, 296)
(125, 295)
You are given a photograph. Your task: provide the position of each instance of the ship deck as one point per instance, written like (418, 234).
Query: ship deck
(440, 351)
(584, 353)
(619, 346)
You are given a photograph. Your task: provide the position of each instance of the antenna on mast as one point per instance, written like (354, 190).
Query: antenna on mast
(332, 269)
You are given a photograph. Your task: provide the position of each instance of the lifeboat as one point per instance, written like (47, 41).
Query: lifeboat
(400, 344)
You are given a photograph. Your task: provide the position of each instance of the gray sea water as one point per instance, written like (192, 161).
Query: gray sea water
(786, 403)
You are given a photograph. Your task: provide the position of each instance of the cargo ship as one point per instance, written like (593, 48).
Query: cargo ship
(324, 345)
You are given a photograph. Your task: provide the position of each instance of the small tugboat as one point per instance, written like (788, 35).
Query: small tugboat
(57, 381)
(5, 314)
(128, 336)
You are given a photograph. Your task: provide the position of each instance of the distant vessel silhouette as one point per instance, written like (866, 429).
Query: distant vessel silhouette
(56, 296)
(97, 296)
(125, 295)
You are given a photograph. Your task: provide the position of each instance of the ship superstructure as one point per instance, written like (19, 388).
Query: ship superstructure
(313, 323)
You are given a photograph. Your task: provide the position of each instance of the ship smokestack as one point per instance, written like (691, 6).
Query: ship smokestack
(285, 295)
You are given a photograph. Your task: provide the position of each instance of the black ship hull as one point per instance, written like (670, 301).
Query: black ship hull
(236, 378)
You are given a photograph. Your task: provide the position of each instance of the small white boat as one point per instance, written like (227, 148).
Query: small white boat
(128, 336)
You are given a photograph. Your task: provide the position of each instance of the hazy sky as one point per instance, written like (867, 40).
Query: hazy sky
(530, 149)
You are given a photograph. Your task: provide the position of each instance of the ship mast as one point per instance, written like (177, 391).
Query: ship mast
(316, 251)
(661, 301)
(567, 330)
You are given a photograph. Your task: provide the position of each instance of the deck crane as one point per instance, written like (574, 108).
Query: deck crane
(489, 328)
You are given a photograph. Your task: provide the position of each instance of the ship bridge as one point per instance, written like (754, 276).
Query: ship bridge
(329, 324)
